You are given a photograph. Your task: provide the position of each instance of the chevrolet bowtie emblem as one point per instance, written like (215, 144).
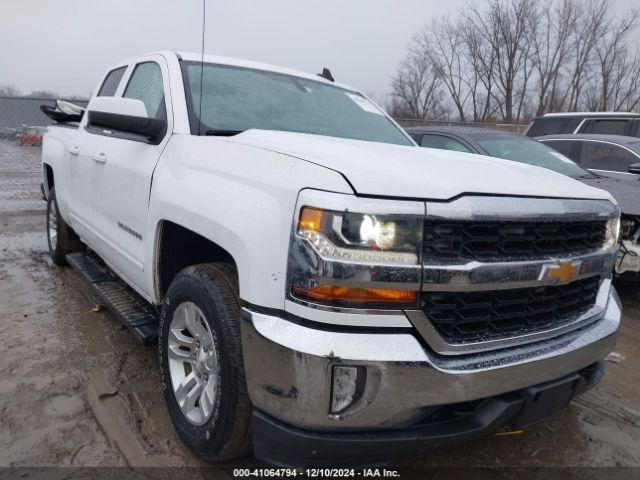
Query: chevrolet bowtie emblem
(563, 272)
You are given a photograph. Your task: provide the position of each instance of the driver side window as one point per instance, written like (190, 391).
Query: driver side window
(146, 85)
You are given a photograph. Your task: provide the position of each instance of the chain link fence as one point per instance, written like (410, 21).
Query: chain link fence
(418, 122)
(22, 121)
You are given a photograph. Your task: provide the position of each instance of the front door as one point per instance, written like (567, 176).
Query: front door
(124, 172)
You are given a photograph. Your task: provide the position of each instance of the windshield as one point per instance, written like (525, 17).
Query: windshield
(525, 150)
(236, 99)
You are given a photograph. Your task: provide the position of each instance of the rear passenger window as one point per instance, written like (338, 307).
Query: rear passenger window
(604, 156)
(607, 127)
(111, 82)
(146, 85)
(443, 143)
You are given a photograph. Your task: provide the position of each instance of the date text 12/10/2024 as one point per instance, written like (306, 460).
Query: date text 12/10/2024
(316, 472)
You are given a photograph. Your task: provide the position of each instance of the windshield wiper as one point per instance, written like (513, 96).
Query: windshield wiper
(222, 133)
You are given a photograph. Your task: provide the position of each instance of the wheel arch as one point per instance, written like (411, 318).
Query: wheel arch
(48, 178)
(178, 247)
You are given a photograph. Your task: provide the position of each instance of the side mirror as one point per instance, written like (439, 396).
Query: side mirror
(125, 115)
(634, 168)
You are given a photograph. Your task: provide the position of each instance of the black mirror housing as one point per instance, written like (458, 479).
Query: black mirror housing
(151, 128)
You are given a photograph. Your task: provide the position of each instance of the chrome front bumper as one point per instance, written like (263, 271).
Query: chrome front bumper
(288, 368)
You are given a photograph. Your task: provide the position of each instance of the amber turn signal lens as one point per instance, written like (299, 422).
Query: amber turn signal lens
(310, 219)
(331, 293)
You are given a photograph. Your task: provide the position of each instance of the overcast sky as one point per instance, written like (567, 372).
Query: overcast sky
(65, 45)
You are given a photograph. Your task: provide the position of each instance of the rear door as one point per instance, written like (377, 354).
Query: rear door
(606, 158)
(80, 167)
(125, 169)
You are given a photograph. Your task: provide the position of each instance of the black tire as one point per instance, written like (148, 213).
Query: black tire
(66, 241)
(213, 288)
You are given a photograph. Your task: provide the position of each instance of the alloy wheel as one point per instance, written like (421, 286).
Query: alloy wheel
(193, 363)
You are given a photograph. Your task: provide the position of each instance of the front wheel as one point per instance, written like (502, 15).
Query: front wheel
(61, 239)
(202, 368)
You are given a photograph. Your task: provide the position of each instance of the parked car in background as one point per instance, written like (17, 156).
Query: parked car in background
(33, 136)
(609, 155)
(13, 136)
(6, 132)
(514, 147)
(608, 123)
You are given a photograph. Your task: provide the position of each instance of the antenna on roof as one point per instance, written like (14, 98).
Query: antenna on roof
(204, 23)
(326, 74)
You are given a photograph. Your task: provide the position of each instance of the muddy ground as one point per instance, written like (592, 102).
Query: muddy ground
(77, 389)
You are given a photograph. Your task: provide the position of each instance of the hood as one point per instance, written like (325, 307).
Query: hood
(626, 192)
(383, 169)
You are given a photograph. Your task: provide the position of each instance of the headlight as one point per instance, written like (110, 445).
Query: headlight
(612, 232)
(357, 256)
(357, 237)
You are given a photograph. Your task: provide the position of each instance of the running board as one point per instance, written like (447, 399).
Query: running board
(133, 311)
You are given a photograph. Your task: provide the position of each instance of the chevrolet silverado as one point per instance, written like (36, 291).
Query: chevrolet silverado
(322, 290)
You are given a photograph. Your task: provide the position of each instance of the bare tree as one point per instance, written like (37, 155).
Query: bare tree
(612, 55)
(625, 85)
(443, 45)
(43, 94)
(508, 26)
(481, 58)
(416, 88)
(584, 34)
(511, 59)
(550, 49)
(9, 91)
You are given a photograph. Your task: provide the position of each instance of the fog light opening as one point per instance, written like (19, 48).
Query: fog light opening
(347, 387)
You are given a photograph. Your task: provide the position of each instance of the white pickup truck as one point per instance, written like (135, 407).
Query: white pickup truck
(321, 289)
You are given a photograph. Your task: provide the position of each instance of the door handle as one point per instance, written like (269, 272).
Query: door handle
(99, 158)
(73, 150)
